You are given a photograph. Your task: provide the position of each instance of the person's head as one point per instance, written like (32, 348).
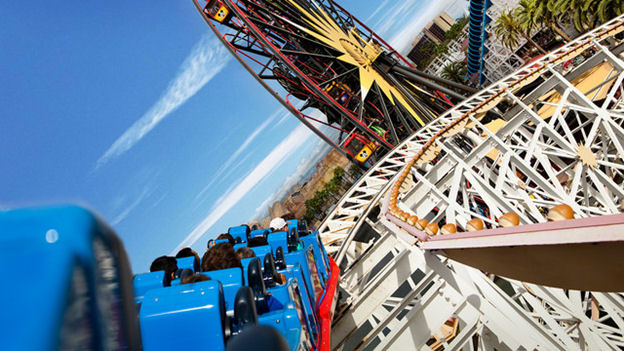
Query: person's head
(165, 263)
(278, 224)
(245, 252)
(227, 236)
(220, 256)
(187, 252)
(195, 278)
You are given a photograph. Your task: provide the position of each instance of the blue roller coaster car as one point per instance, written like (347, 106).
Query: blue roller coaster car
(70, 286)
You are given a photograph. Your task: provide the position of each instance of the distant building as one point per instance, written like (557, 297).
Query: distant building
(453, 53)
(421, 48)
(434, 33)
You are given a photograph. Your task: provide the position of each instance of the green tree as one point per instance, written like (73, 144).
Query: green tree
(333, 188)
(508, 30)
(339, 173)
(455, 71)
(605, 9)
(533, 14)
(355, 171)
(579, 12)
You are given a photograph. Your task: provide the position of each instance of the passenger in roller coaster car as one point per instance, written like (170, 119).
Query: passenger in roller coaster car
(245, 252)
(278, 224)
(220, 256)
(227, 236)
(257, 241)
(165, 263)
(217, 10)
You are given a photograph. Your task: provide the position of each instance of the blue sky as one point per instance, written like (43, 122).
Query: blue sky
(133, 109)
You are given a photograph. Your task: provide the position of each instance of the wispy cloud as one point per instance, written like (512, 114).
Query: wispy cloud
(228, 163)
(276, 157)
(147, 191)
(207, 58)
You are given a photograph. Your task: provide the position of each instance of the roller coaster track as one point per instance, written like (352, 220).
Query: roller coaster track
(424, 145)
(561, 140)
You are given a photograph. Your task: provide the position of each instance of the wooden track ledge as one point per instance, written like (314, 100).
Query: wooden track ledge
(581, 254)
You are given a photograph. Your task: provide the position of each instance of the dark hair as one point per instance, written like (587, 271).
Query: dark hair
(195, 278)
(227, 236)
(220, 256)
(257, 241)
(185, 252)
(164, 263)
(245, 252)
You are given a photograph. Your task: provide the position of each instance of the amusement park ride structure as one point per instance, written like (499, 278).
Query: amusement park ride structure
(331, 71)
(544, 136)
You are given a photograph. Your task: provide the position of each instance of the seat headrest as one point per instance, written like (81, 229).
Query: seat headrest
(256, 282)
(293, 239)
(245, 314)
(183, 273)
(302, 226)
(280, 261)
(270, 272)
(241, 232)
(259, 338)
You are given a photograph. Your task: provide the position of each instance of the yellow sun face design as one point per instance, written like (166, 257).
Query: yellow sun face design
(325, 29)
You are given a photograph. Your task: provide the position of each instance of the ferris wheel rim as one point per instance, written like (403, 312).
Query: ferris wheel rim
(318, 90)
(286, 104)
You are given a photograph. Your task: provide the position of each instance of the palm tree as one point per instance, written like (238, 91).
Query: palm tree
(455, 71)
(606, 9)
(507, 31)
(533, 14)
(579, 12)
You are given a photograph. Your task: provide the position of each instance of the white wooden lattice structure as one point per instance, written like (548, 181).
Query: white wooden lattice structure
(561, 141)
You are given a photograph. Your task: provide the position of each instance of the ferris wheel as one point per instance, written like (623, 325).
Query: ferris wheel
(331, 71)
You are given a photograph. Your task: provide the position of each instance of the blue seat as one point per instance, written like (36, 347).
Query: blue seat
(221, 241)
(245, 264)
(190, 316)
(293, 240)
(278, 239)
(145, 282)
(293, 224)
(290, 322)
(260, 232)
(302, 226)
(260, 251)
(231, 280)
(73, 255)
(188, 262)
(239, 233)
